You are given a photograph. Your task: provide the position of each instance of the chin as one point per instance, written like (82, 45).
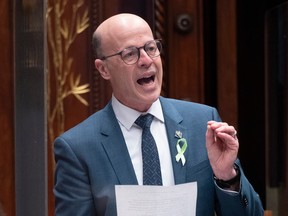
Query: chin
(151, 100)
(148, 98)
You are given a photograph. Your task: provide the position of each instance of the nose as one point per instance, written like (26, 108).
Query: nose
(144, 59)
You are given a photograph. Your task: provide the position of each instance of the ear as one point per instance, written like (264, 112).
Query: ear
(102, 68)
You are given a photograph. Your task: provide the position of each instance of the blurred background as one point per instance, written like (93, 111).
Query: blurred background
(227, 53)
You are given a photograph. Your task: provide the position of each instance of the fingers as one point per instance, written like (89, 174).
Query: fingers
(221, 127)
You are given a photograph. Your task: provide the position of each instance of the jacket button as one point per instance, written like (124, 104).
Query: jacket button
(245, 201)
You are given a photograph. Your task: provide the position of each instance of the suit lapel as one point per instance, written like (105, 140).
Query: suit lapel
(116, 149)
(114, 144)
(173, 123)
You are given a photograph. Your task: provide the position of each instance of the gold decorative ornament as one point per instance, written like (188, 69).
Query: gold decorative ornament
(62, 31)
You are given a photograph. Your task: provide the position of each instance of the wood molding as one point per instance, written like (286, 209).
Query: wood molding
(160, 33)
(7, 176)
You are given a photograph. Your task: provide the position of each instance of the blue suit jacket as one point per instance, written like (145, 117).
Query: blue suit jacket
(92, 158)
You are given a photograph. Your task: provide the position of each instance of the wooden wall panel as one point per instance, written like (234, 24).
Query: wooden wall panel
(227, 60)
(185, 50)
(6, 109)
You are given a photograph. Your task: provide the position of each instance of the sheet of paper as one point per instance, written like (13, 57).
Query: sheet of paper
(176, 200)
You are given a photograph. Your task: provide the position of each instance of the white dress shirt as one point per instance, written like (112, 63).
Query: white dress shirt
(132, 134)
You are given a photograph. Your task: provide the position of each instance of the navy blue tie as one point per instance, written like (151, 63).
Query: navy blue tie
(150, 157)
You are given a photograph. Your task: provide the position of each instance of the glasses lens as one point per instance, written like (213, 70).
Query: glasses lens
(130, 55)
(153, 48)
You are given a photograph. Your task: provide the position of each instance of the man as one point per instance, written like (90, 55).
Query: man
(105, 149)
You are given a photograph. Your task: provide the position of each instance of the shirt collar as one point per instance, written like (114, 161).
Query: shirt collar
(127, 116)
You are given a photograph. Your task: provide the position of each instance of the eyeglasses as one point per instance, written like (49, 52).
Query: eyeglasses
(131, 55)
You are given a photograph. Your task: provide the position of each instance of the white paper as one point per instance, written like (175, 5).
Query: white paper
(176, 200)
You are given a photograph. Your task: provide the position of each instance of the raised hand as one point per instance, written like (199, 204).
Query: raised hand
(222, 146)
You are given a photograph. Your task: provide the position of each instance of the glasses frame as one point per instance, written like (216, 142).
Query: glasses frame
(157, 41)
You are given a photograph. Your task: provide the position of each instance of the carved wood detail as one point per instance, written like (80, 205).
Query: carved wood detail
(96, 17)
(160, 33)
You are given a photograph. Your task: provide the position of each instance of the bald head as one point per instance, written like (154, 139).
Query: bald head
(116, 29)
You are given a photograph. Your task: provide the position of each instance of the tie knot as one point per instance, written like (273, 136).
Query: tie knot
(144, 120)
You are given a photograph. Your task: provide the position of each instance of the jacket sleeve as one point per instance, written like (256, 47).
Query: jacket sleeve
(71, 187)
(244, 203)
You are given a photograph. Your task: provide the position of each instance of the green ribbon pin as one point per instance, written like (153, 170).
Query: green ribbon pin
(181, 150)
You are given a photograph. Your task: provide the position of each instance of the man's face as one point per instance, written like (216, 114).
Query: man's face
(138, 85)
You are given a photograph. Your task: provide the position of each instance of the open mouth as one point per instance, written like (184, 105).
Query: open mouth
(146, 80)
